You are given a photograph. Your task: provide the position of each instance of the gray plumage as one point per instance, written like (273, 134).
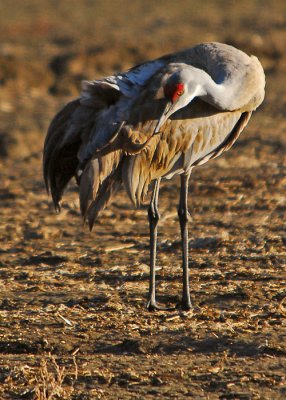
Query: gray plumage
(158, 119)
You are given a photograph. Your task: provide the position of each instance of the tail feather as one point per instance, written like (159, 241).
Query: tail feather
(65, 135)
(107, 190)
(89, 185)
(100, 179)
(59, 159)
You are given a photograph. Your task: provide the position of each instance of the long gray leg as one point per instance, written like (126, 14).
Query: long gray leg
(154, 216)
(183, 218)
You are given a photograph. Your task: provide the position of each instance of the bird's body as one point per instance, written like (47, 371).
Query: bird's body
(158, 119)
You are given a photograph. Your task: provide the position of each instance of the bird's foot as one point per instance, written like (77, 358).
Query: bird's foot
(152, 306)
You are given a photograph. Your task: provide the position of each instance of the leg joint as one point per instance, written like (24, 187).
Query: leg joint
(153, 214)
(183, 214)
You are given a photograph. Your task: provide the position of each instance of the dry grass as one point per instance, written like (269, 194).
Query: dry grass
(46, 381)
(50, 381)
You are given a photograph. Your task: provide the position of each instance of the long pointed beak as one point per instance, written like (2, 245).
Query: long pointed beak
(165, 115)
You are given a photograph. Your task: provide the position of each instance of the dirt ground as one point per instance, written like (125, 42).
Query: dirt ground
(73, 322)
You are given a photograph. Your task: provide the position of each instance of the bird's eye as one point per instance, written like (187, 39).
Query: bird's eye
(180, 92)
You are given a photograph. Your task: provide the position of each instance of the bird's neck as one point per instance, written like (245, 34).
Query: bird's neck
(220, 95)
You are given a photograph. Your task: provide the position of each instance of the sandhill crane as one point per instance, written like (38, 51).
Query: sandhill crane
(158, 119)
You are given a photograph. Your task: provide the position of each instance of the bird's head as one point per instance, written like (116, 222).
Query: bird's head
(173, 91)
(179, 90)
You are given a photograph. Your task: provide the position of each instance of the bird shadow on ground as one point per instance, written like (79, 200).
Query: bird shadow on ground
(178, 343)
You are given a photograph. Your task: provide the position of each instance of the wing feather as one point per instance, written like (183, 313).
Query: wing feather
(191, 137)
(59, 157)
(99, 180)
